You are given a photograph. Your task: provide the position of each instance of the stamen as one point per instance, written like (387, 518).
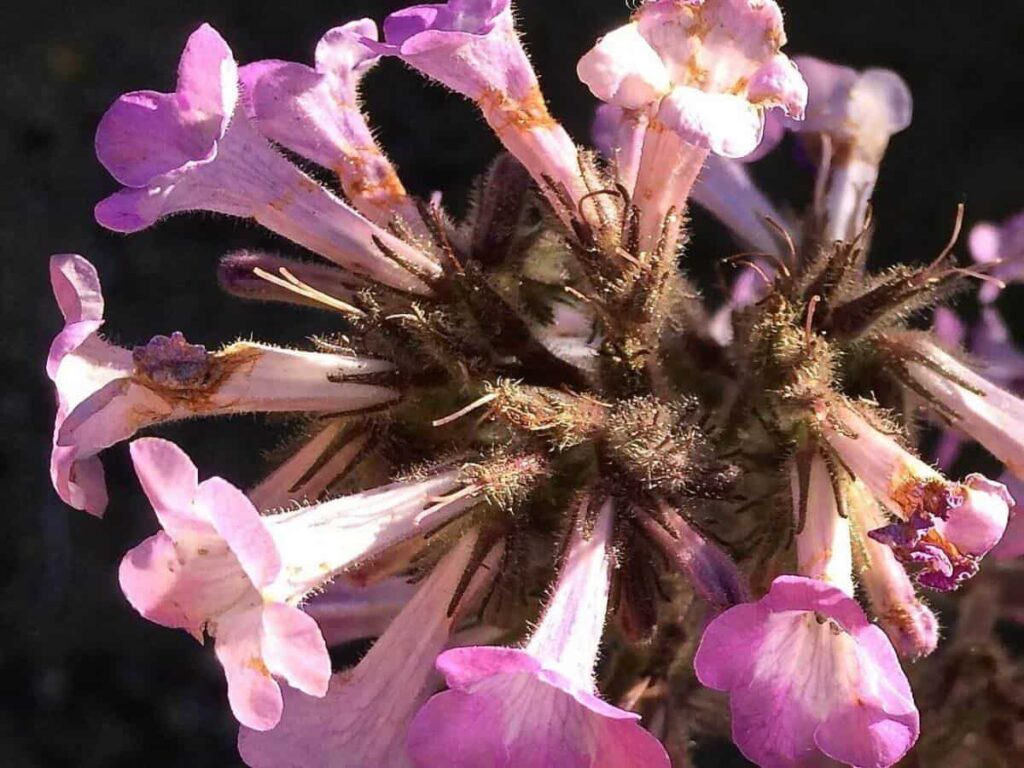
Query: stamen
(293, 284)
(957, 226)
(467, 409)
(809, 323)
(784, 233)
(440, 502)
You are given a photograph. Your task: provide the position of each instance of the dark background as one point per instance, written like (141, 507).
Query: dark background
(84, 681)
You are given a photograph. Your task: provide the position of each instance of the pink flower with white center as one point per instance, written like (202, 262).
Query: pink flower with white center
(316, 114)
(911, 626)
(195, 149)
(219, 566)
(858, 112)
(1002, 243)
(705, 70)
(809, 677)
(807, 674)
(944, 528)
(77, 478)
(537, 705)
(472, 47)
(363, 719)
(207, 570)
(107, 393)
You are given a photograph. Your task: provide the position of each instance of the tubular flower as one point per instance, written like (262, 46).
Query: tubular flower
(106, 393)
(522, 423)
(944, 528)
(362, 720)
(472, 47)
(808, 676)
(857, 112)
(207, 570)
(704, 72)
(315, 113)
(1001, 248)
(219, 566)
(980, 408)
(195, 149)
(537, 705)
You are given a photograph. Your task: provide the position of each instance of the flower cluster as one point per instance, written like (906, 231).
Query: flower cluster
(529, 456)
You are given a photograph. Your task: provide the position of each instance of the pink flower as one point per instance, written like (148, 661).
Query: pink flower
(472, 47)
(808, 676)
(1003, 243)
(316, 114)
(194, 149)
(207, 570)
(219, 566)
(106, 393)
(77, 478)
(944, 528)
(858, 112)
(537, 706)
(364, 717)
(704, 71)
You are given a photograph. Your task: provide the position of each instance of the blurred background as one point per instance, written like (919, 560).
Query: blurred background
(86, 682)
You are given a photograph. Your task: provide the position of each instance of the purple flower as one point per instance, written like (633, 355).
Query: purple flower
(194, 149)
(1002, 243)
(911, 626)
(944, 528)
(537, 706)
(362, 720)
(316, 114)
(472, 47)
(858, 112)
(808, 676)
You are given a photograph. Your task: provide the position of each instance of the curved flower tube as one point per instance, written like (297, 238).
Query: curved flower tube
(472, 47)
(107, 393)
